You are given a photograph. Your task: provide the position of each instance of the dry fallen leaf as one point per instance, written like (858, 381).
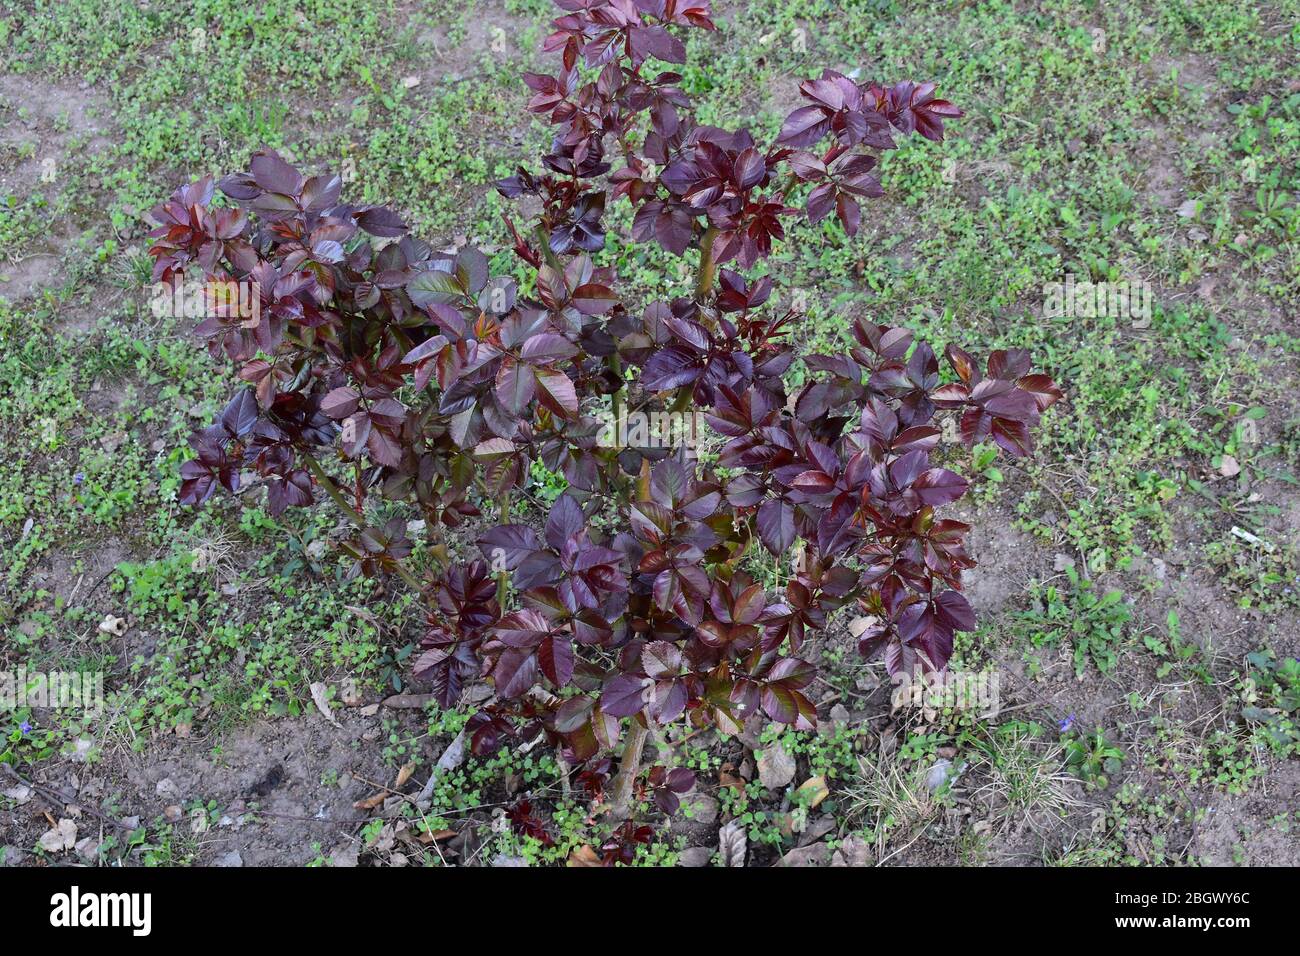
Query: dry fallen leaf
(349, 694)
(62, 837)
(854, 851)
(435, 836)
(1228, 466)
(451, 759)
(859, 625)
(584, 856)
(817, 854)
(320, 696)
(695, 856)
(386, 839)
(370, 802)
(812, 792)
(404, 774)
(407, 701)
(775, 767)
(733, 844)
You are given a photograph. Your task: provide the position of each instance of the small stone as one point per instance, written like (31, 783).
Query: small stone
(229, 860)
(173, 813)
(166, 788)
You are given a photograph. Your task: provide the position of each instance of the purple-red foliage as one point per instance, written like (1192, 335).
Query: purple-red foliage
(436, 383)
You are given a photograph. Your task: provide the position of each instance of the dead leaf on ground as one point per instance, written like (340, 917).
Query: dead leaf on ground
(369, 803)
(817, 828)
(348, 693)
(60, 838)
(812, 792)
(733, 844)
(775, 767)
(435, 836)
(407, 701)
(728, 778)
(695, 856)
(451, 758)
(584, 856)
(404, 774)
(854, 851)
(320, 696)
(817, 854)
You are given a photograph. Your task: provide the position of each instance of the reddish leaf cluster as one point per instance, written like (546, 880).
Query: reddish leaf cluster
(433, 382)
(718, 177)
